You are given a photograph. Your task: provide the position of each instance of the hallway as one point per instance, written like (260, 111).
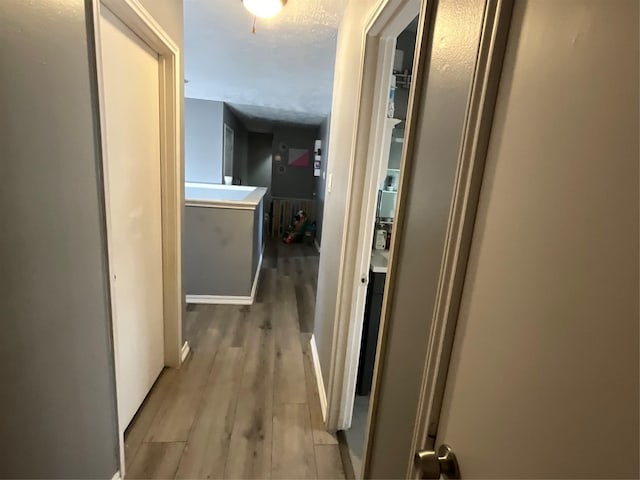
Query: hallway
(245, 403)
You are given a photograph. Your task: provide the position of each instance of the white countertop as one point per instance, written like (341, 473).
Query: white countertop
(239, 197)
(379, 261)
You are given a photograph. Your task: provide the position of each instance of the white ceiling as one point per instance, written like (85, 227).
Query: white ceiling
(283, 73)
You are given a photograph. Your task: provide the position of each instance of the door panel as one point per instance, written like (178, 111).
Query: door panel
(428, 182)
(543, 381)
(131, 102)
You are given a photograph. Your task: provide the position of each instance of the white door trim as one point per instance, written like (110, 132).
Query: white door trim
(140, 21)
(387, 20)
(318, 374)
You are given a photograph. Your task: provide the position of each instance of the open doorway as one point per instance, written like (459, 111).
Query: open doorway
(257, 109)
(387, 164)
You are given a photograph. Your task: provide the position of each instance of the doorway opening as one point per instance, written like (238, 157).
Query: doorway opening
(256, 135)
(395, 68)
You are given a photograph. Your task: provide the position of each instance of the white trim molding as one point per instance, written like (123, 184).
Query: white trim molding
(230, 299)
(387, 19)
(116, 476)
(186, 349)
(318, 373)
(142, 23)
(220, 300)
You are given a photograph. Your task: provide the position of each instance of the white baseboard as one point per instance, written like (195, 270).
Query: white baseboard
(318, 371)
(315, 242)
(185, 351)
(254, 287)
(230, 299)
(219, 300)
(116, 476)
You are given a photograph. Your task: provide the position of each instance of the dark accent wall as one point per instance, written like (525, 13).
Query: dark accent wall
(321, 181)
(58, 389)
(294, 182)
(407, 43)
(260, 155)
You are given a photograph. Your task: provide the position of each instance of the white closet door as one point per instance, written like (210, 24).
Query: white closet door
(131, 102)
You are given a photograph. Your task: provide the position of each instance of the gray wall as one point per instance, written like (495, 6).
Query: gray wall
(204, 130)
(58, 390)
(259, 161)
(216, 244)
(343, 116)
(296, 182)
(203, 140)
(58, 379)
(321, 181)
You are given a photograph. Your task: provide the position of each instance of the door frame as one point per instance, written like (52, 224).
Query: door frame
(359, 224)
(462, 216)
(228, 134)
(140, 21)
(388, 18)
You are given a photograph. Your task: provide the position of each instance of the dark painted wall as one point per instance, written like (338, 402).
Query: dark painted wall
(58, 389)
(260, 153)
(407, 43)
(294, 182)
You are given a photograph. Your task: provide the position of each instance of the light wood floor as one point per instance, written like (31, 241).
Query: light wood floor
(245, 403)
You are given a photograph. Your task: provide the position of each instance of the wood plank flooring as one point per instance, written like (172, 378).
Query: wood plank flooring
(245, 403)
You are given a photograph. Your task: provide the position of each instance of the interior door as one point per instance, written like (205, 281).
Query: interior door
(543, 374)
(543, 380)
(131, 102)
(445, 63)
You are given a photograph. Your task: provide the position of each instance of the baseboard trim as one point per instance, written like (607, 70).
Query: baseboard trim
(219, 300)
(116, 476)
(186, 349)
(254, 287)
(315, 242)
(318, 371)
(230, 299)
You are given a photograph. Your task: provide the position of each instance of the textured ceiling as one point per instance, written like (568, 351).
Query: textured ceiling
(283, 73)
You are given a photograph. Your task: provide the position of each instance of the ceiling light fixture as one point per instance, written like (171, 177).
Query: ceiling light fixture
(264, 8)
